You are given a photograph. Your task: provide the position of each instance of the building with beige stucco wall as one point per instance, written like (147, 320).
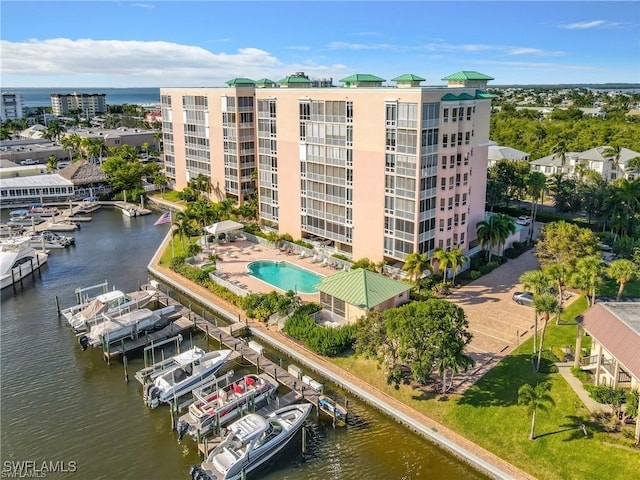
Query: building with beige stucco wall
(380, 171)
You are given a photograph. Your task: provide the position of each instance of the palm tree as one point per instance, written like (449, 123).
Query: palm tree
(614, 154)
(444, 260)
(506, 227)
(535, 399)
(416, 264)
(622, 271)
(488, 233)
(453, 360)
(183, 229)
(157, 136)
(537, 282)
(52, 163)
(588, 276)
(560, 149)
(536, 182)
(54, 130)
(225, 207)
(545, 305)
(457, 259)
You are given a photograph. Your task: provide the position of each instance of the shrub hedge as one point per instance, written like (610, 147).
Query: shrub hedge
(326, 341)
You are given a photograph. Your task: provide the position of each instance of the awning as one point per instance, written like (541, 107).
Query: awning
(223, 227)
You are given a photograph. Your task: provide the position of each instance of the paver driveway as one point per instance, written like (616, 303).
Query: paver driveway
(497, 322)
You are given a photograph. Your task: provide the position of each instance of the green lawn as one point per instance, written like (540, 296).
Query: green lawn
(489, 415)
(170, 196)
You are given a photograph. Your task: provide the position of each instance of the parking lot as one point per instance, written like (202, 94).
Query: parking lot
(497, 322)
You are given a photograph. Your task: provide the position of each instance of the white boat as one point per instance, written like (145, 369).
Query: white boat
(106, 330)
(46, 240)
(41, 211)
(194, 369)
(89, 205)
(22, 218)
(115, 302)
(217, 406)
(9, 231)
(18, 259)
(130, 212)
(251, 442)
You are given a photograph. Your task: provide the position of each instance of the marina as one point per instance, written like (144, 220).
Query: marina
(103, 412)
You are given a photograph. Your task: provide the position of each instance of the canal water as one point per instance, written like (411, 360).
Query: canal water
(60, 404)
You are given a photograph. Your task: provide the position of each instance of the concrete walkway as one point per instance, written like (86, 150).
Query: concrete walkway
(565, 370)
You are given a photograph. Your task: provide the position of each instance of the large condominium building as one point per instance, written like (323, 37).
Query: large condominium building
(11, 106)
(379, 171)
(89, 104)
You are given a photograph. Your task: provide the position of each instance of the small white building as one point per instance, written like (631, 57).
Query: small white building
(10, 106)
(35, 188)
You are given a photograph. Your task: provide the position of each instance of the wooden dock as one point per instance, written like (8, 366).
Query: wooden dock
(224, 336)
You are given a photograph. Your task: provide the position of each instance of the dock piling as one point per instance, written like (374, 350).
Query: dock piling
(126, 372)
(58, 306)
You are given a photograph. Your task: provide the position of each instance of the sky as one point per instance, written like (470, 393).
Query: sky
(206, 43)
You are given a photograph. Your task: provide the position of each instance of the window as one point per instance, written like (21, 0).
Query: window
(464, 199)
(445, 139)
(445, 115)
(465, 179)
(459, 139)
(450, 183)
(449, 222)
(455, 219)
(440, 243)
(391, 139)
(450, 203)
(305, 111)
(391, 114)
(455, 239)
(467, 138)
(442, 202)
(443, 183)
(458, 159)
(444, 161)
(457, 199)
(461, 113)
(469, 110)
(441, 224)
(463, 218)
(457, 179)
(466, 158)
(454, 115)
(452, 161)
(461, 238)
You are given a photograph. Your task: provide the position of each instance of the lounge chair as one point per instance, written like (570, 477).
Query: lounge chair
(315, 259)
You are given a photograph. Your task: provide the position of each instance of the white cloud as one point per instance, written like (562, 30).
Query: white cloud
(130, 63)
(142, 5)
(535, 52)
(588, 25)
(361, 46)
(302, 48)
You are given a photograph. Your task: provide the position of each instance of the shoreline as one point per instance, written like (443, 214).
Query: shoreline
(471, 453)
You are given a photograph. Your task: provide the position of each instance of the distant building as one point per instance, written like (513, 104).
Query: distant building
(35, 188)
(11, 106)
(90, 104)
(597, 159)
(497, 152)
(117, 137)
(37, 149)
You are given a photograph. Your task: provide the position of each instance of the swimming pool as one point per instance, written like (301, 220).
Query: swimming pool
(285, 276)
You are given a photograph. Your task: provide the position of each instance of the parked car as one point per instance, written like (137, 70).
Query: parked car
(523, 298)
(28, 161)
(523, 220)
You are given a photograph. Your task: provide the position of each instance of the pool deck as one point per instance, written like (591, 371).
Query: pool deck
(235, 256)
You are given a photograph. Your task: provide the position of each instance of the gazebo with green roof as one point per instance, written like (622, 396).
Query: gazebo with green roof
(241, 82)
(408, 80)
(265, 83)
(468, 78)
(362, 80)
(350, 294)
(294, 81)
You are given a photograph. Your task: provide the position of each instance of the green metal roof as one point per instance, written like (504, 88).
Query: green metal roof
(481, 94)
(465, 96)
(265, 81)
(362, 288)
(450, 97)
(408, 77)
(240, 81)
(362, 77)
(468, 75)
(292, 79)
